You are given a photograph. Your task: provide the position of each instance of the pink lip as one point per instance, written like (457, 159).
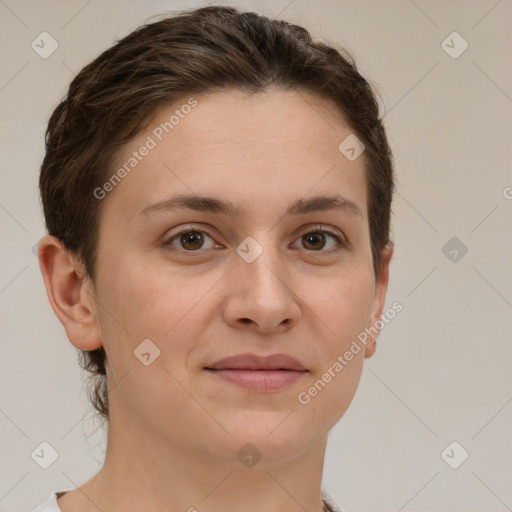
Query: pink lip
(260, 380)
(261, 373)
(255, 362)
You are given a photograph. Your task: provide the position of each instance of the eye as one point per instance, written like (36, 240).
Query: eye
(190, 240)
(315, 239)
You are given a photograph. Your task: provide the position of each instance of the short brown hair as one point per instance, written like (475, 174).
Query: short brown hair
(160, 62)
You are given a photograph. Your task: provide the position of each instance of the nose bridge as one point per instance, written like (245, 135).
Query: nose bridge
(260, 290)
(264, 274)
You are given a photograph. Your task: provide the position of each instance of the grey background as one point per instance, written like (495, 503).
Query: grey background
(441, 372)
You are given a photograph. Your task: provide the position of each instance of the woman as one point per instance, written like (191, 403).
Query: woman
(217, 192)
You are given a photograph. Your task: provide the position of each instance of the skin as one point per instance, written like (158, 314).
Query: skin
(175, 429)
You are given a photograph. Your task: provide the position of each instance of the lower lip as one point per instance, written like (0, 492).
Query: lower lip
(260, 380)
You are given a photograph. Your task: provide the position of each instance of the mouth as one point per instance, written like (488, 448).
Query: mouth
(260, 373)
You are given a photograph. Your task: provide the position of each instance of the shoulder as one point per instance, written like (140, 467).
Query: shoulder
(50, 505)
(330, 504)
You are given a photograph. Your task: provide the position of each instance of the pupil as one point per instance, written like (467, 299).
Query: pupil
(314, 236)
(194, 238)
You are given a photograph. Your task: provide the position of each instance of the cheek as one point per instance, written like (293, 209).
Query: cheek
(344, 307)
(164, 306)
(344, 304)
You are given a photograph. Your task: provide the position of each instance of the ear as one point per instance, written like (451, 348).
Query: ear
(381, 287)
(70, 292)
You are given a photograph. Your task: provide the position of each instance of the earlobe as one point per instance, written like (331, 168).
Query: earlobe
(67, 290)
(371, 346)
(379, 299)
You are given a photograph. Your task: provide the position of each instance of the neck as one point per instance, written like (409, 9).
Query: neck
(144, 472)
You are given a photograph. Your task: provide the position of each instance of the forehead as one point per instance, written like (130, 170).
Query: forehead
(266, 147)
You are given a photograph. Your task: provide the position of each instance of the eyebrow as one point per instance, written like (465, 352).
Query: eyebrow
(225, 207)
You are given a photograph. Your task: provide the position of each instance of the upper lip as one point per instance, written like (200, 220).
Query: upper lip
(255, 362)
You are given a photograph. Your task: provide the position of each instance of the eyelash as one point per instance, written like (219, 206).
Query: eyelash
(313, 230)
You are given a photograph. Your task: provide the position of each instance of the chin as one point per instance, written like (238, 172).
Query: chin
(269, 437)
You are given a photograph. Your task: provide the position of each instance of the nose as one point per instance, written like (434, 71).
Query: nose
(261, 296)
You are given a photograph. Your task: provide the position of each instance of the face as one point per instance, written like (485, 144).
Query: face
(202, 282)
